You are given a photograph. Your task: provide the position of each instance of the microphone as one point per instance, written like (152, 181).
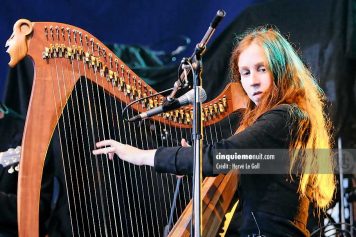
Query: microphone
(213, 25)
(187, 98)
(217, 19)
(200, 48)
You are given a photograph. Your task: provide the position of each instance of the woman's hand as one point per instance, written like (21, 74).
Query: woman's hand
(125, 152)
(184, 143)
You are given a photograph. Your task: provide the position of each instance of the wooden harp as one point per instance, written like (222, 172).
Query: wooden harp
(65, 56)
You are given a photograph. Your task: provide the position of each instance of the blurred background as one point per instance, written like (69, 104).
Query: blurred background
(160, 25)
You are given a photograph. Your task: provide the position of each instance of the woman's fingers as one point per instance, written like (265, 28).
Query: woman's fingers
(105, 150)
(106, 143)
(111, 148)
(125, 152)
(184, 143)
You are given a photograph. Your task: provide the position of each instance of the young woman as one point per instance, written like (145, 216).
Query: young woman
(285, 111)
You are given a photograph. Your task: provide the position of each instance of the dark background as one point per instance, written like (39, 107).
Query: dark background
(323, 32)
(156, 23)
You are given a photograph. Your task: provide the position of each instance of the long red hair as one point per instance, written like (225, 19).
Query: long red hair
(295, 85)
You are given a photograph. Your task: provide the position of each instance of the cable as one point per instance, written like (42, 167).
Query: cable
(138, 100)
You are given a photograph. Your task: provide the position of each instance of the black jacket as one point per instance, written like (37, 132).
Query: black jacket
(273, 198)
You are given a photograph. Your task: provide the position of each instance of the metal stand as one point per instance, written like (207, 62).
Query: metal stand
(342, 191)
(197, 135)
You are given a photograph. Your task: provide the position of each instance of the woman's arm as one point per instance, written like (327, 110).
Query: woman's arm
(128, 153)
(270, 131)
(125, 152)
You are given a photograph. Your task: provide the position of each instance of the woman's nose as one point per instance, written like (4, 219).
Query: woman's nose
(254, 80)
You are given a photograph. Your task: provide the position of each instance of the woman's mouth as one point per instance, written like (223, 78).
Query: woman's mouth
(257, 93)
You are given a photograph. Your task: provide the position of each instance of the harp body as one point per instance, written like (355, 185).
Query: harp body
(84, 59)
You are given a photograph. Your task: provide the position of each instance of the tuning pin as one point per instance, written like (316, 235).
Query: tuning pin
(17, 167)
(11, 170)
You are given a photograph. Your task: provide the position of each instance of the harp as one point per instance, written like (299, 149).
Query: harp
(78, 91)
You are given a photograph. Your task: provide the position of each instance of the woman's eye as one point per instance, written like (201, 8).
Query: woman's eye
(262, 69)
(244, 73)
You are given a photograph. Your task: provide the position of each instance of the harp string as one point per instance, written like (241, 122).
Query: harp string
(104, 113)
(172, 178)
(80, 144)
(157, 178)
(91, 128)
(134, 177)
(134, 142)
(185, 180)
(187, 136)
(86, 156)
(145, 171)
(160, 177)
(62, 91)
(216, 133)
(94, 90)
(115, 117)
(76, 153)
(150, 185)
(106, 163)
(167, 177)
(55, 88)
(177, 141)
(155, 132)
(104, 197)
(123, 138)
(122, 166)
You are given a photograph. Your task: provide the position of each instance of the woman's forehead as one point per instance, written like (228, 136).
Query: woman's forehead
(252, 55)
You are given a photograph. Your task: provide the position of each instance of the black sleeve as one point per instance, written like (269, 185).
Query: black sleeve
(8, 200)
(271, 130)
(8, 210)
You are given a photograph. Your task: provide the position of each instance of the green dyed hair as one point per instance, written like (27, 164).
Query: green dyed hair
(295, 85)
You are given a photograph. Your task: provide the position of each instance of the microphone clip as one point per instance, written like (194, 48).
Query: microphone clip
(170, 104)
(182, 81)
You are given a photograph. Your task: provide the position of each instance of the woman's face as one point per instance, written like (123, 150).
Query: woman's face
(256, 78)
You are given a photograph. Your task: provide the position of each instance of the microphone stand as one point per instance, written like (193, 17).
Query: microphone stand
(197, 134)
